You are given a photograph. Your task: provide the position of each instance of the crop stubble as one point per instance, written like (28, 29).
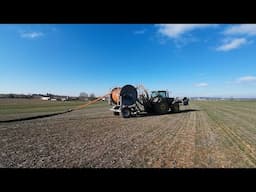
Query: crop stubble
(214, 134)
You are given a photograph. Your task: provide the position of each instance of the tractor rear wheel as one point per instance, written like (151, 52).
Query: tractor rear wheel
(126, 113)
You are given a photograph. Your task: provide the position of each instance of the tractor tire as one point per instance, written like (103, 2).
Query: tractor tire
(175, 108)
(116, 113)
(126, 113)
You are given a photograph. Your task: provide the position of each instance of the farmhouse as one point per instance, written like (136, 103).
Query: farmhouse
(45, 98)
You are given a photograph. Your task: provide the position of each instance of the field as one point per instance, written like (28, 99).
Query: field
(22, 108)
(205, 134)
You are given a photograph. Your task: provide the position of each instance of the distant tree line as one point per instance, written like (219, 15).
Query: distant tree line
(11, 95)
(84, 96)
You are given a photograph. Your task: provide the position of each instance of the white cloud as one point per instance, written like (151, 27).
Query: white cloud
(201, 85)
(244, 29)
(246, 79)
(31, 35)
(176, 30)
(232, 44)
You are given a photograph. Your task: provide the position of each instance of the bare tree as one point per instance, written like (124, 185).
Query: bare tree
(92, 96)
(83, 94)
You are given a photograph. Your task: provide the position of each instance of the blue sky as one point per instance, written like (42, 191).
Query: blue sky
(187, 59)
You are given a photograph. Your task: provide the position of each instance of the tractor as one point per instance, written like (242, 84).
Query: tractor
(131, 101)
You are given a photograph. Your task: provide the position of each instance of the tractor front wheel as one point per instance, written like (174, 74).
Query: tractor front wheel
(175, 108)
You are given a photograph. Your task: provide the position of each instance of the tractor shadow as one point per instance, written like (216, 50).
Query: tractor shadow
(187, 110)
(103, 117)
(169, 113)
(142, 115)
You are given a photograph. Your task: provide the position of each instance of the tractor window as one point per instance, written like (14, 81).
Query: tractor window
(154, 94)
(163, 93)
(159, 93)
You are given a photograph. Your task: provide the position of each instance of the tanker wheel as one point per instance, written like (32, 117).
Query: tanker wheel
(126, 113)
(116, 113)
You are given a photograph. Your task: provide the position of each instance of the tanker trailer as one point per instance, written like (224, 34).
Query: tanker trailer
(124, 100)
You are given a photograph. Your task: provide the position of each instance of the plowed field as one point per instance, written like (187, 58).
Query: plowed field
(205, 134)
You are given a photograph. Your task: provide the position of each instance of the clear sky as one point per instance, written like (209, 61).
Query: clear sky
(188, 60)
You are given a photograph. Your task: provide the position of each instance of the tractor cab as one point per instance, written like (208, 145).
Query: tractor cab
(163, 94)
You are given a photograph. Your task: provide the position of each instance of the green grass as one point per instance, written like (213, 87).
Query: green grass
(206, 104)
(21, 106)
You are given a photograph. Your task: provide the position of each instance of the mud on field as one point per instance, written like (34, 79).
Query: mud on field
(204, 134)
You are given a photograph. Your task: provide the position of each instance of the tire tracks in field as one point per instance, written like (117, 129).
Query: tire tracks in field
(202, 151)
(238, 141)
(245, 127)
(234, 137)
(248, 131)
(182, 149)
(250, 107)
(153, 153)
(208, 152)
(244, 117)
(123, 137)
(137, 138)
(244, 134)
(158, 155)
(239, 110)
(134, 138)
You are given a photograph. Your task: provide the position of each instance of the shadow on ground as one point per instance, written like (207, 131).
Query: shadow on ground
(181, 111)
(106, 117)
(34, 117)
(141, 115)
(188, 110)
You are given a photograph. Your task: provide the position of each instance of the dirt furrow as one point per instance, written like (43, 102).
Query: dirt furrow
(181, 153)
(207, 153)
(159, 147)
(134, 141)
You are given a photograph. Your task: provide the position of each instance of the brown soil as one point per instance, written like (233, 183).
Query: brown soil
(210, 135)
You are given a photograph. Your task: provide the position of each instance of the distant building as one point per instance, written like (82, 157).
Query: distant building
(45, 98)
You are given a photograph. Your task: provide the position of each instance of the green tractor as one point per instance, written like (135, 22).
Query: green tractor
(131, 101)
(160, 103)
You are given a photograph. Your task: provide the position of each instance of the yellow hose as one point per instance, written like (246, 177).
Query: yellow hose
(89, 103)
